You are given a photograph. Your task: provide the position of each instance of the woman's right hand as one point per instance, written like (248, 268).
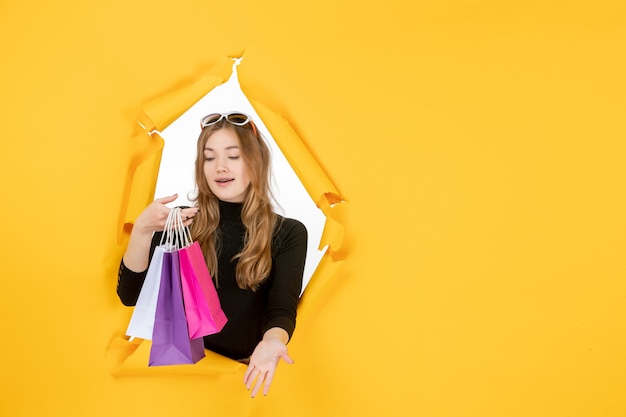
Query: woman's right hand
(153, 217)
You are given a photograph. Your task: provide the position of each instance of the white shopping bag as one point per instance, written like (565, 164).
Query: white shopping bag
(142, 320)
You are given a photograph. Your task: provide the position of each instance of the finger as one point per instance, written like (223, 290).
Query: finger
(248, 373)
(268, 382)
(187, 214)
(252, 378)
(168, 199)
(259, 382)
(285, 356)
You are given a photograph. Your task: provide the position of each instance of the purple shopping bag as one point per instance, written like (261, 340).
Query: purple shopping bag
(171, 344)
(202, 305)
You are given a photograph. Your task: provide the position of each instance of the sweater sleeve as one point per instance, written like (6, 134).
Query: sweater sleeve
(286, 279)
(129, 282)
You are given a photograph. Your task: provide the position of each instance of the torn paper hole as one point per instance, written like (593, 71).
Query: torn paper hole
(176, 172)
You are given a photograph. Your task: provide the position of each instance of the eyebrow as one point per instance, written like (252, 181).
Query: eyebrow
(227, 148)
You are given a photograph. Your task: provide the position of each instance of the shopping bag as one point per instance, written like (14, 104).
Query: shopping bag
(142, 320)
(171, 344)
(202, 305)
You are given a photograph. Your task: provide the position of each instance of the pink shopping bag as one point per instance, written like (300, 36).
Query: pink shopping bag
(202, 305)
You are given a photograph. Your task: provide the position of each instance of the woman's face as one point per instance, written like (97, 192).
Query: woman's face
(224, 168)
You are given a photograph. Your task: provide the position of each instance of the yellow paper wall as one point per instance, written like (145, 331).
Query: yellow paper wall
(481, 148)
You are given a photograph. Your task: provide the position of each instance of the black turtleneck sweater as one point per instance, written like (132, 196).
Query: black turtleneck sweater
(250, 313)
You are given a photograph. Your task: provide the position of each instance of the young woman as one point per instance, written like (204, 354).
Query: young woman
(255, 256)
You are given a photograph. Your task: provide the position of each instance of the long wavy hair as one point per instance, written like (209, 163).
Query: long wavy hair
(257, 214)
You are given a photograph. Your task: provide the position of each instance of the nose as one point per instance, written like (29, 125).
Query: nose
(221, 165)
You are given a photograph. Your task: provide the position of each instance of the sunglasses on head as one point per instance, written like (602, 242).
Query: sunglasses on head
(234, 118)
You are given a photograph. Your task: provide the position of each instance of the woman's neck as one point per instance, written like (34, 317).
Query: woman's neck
(230, 210)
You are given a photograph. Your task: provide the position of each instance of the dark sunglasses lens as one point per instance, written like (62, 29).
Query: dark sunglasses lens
(238, 119)
(210, 119)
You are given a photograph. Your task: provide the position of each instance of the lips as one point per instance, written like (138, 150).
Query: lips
(224, 180)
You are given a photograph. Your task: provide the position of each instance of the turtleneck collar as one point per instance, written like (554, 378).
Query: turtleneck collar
(230, 210)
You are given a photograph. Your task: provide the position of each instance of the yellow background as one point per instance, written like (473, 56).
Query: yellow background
(480, 146)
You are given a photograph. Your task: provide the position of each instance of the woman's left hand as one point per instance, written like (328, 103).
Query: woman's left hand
(263, 363)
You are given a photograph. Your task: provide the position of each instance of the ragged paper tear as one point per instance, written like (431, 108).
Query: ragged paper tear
(171, 124)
